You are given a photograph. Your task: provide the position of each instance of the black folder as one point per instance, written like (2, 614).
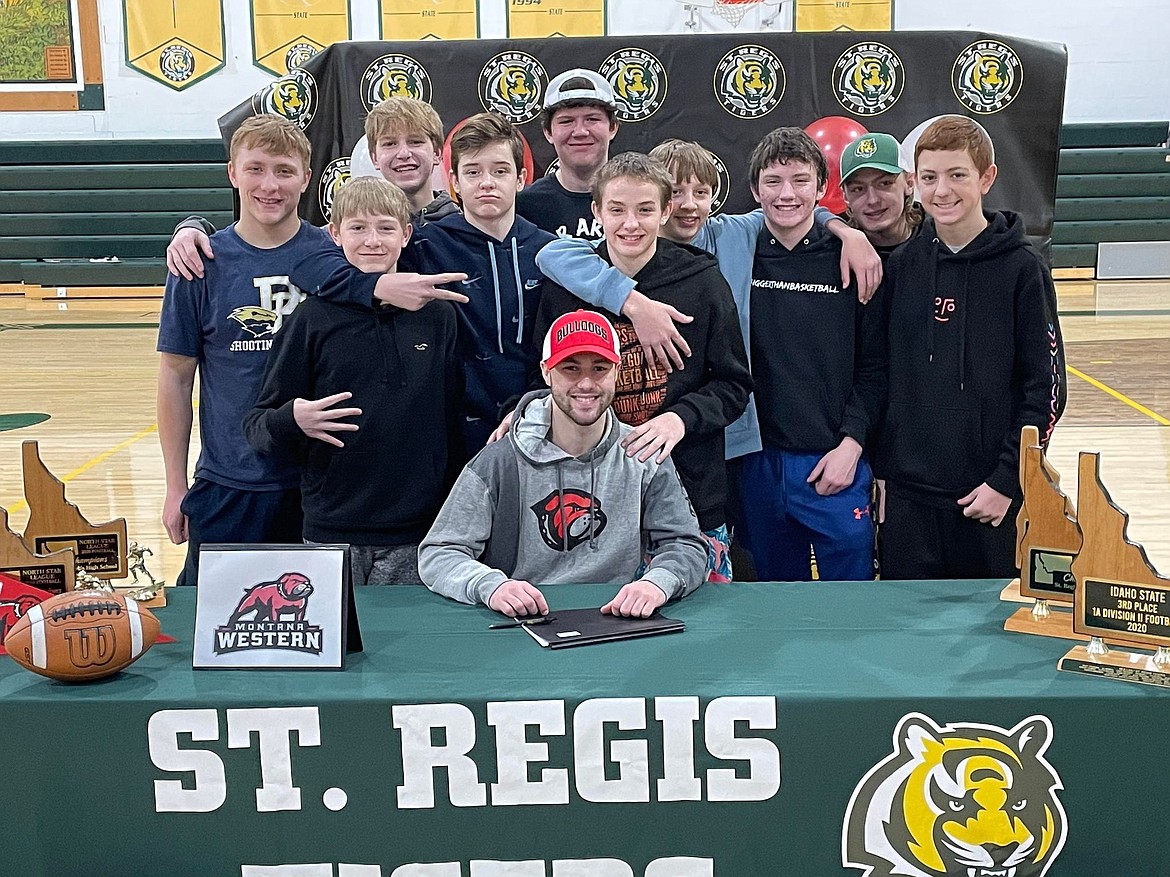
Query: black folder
(583, 627)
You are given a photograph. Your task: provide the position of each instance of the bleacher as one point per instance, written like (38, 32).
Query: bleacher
(1113, 185)
(91, 219)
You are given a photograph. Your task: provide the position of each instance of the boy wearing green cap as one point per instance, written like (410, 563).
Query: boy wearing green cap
(879, 192)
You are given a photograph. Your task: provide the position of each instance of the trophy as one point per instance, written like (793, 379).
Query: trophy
(152, 594)
(53, 572)
(55, 523)
(1118, 595)
(1047, 541)
(101, 552)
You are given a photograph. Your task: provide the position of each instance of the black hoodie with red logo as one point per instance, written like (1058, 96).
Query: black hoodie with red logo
(975, 354)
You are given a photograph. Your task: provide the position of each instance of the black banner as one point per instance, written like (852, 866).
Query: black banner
(724, 90)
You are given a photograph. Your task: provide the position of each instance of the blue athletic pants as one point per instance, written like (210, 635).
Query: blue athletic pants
(779, 517)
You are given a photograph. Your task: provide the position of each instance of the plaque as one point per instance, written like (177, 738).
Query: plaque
(274, 607)
(1119, 596)
(1047, 541)
(50, 572)
(55, 523)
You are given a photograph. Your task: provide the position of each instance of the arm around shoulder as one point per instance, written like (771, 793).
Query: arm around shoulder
(575, 265)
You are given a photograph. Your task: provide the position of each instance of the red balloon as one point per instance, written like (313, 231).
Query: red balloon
(445, 159)
(833, 134)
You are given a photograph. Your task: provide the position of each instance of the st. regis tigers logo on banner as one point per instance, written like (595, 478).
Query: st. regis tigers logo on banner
(868, 79)
(987, 76)
(639, 83)
(394, 76)
(749, 81)
(512, 84)
(958, 800)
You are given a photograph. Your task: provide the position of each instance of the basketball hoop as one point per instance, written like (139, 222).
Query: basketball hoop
(733, 11)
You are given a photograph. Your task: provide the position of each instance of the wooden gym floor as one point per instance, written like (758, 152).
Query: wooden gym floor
(91, 369)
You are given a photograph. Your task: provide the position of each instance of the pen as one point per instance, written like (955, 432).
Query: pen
(522, 622)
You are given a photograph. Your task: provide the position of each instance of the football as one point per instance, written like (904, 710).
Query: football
(81, 635)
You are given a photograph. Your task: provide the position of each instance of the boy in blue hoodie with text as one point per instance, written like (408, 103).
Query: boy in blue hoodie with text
(975, 354)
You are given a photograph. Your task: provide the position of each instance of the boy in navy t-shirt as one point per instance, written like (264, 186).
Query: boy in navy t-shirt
(221, 326)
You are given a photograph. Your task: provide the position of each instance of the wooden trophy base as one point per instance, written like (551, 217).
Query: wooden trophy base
(1117, 664)
(157, 602)
(1059, 624)
(1011, 594)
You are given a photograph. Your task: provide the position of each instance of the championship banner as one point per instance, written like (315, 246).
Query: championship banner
(529, 19)
(724, 90)
(837, 15)
(286, 35)
(428, 19)
(177, 44)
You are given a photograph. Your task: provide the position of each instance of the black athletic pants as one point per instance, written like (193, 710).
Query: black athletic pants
(920, 541)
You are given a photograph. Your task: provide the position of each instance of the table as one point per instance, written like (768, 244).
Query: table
(447, 750)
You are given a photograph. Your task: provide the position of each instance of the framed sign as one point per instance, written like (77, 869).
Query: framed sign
(272, 607)
(52, 57)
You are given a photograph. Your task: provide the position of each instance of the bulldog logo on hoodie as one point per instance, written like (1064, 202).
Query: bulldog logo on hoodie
(569, 518)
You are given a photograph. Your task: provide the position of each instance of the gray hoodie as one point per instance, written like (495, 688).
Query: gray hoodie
(525, 509)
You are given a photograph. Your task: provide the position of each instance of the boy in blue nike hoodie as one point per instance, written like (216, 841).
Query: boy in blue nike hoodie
(496, 249)
(975, 354)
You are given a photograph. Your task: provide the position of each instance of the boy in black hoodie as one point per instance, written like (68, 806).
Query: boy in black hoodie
(975, 354)
(819, 382)
(380, 489)
(681, 413)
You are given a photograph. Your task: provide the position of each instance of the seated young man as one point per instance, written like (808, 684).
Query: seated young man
(222, 325)
(559, 500)
(684, 412)
(367, 398)
(975, 354)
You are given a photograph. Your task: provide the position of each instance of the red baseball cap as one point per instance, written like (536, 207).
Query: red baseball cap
(580, 332)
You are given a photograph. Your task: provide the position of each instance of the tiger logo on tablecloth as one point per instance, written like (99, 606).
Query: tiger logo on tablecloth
(960, 800)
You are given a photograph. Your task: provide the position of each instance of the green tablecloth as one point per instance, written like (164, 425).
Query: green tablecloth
(839, 664)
